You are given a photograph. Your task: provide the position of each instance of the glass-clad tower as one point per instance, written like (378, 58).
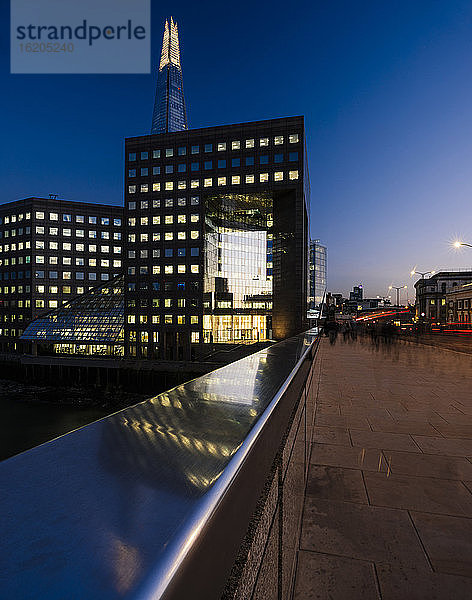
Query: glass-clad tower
(169, 106)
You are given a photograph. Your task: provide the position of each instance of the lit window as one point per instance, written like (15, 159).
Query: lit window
(250, 143)
(293, 138)
(169, 219)
(156, 154)
(278, 139)
(180, 268)
(52, 303)
(144, 187)
(181, 185)
(193, 319)
(208, 182)
(235, 180)
(156, 187)
(131, 189)
(221, 146)
(156, 269)
(167, 302)
(249, 178)
(194, 234)
(194, 268)
(194, 183)
(181, 235)
(169, 185)
(40, 215)
(168, 236)
(144, 204)
(194, 200)
(156, 220)
(53, 217)
(195, 337)
(293, 174)
(180, 320)
(264, 141)
(67, 275)
(156, 204)
(144, 221)
(169, 202)
(80, 219)
(278, 176)
(236, 145)
(131, 319)
(194, 218)
(155, 321)
(221, 180)
(168, 319)
(263, 177)
(181, 219)
(169, 152)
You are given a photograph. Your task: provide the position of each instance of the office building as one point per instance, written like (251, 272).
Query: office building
(169, 106)
(51, 251)
(318, 273)
(216, 230)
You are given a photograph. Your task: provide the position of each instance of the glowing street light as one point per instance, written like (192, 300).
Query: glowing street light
(398, 288)
(458, 244)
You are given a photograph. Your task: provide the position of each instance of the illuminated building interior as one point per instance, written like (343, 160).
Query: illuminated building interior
(238, 269)
(89, 324)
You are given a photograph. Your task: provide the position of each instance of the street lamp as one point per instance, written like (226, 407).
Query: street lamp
(398, 288)
(415, 272)
(458, 244)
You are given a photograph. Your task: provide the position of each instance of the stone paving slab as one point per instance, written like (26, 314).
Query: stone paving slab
(388, 504)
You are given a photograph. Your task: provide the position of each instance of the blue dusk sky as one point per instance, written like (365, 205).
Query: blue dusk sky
(385, 87)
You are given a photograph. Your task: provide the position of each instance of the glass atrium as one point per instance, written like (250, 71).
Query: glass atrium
(238, 269)
(88, 324)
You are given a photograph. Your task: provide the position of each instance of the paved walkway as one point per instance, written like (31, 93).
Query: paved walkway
(388, 506)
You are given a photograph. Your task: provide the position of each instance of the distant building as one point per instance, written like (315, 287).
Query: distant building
(318, 273)
(357, 293)
(169, 106)
(431, 294)
(51, 251)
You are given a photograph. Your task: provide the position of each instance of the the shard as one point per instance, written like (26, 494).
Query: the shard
(169, 107)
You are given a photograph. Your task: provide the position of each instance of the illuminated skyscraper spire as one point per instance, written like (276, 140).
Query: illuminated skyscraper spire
(169, 106)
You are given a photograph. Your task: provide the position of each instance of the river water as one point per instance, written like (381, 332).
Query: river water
(31, 415)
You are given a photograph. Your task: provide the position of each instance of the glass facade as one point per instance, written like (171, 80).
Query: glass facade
(238, 268)
(89, 324)
(169, 107)
(318, 273)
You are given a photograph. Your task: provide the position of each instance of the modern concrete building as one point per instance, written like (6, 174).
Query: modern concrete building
(51, 251)
(216, 237)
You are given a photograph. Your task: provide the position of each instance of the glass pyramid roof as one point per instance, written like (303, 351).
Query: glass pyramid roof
(95, 317)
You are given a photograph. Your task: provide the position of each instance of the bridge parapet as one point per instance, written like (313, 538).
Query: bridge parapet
(195, 493)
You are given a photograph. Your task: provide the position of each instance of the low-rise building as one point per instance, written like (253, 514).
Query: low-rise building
(459, 305)
(431, 294)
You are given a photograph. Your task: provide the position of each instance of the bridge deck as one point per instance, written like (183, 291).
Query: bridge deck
(388, 505)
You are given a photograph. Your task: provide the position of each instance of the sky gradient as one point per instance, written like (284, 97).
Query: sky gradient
(385, 87)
